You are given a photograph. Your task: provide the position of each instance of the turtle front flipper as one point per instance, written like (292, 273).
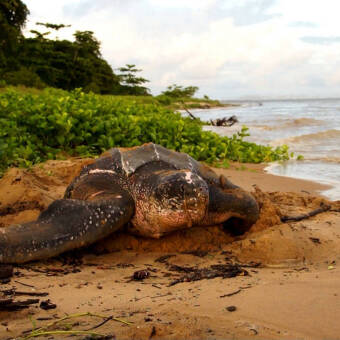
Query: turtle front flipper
(234, 207)
(68, 224)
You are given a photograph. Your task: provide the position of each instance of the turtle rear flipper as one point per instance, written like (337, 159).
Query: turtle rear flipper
(65, 225)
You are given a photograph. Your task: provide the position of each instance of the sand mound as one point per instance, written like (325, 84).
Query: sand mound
(25, 193)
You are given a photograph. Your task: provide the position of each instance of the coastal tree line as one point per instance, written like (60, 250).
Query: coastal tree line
(42, 62)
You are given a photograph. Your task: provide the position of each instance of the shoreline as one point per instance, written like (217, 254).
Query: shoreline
(246, 175)
(326, 186)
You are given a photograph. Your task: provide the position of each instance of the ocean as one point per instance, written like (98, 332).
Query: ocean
(309, 127)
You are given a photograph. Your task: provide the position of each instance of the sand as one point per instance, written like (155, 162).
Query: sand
(292, 290)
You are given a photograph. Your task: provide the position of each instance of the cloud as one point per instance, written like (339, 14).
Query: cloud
(320, 40)
(81, 8)
(304, 24)
(249, 12)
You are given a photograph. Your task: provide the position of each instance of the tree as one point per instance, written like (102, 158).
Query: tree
(39, 35)
(13, 15)
(130, 83)
(87, 43)
(68, 65)
(177, 91)
(56, 27)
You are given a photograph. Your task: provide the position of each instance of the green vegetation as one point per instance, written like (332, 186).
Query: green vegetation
(13, 14)
(179, 97)
(130, 84)
(177, 91)
(63, 64)
(64, 326)
(37, 127)
(181, 103)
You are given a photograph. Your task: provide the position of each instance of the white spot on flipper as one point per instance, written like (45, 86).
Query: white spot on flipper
(156, 152)
(188, 177)
(125, 164)
(100, 171)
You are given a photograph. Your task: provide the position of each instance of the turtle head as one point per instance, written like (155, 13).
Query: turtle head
(178, 199)
(184, 191)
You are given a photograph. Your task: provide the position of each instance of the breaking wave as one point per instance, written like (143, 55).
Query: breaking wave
(305, 121)
(313, 137)
(293, 123)
(326, 159)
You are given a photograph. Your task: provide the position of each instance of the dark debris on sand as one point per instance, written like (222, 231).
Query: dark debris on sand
(8, 304)
(216, 270)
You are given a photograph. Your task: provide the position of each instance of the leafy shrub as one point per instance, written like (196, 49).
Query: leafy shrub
(164, 100)
(25, 77)
(177, 91)
(37, 127)
(92, 87)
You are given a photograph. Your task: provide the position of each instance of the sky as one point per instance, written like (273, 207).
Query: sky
(230, 49)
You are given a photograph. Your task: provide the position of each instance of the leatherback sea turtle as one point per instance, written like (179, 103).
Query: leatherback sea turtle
(156, 189)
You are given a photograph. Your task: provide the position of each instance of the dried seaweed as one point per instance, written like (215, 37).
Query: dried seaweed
(216, 270)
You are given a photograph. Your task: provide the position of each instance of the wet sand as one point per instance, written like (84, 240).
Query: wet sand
(292, 290)
(248, 175)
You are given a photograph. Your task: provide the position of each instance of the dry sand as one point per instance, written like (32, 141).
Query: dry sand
(293, 294)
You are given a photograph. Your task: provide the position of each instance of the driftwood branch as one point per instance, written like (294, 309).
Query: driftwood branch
(231, 294)
(190, 114)
(10, 305)
(217, 122)
(101, 323)
(216, 270)
(224, 121)
(19, 292)
(323, 208)
(24, 284)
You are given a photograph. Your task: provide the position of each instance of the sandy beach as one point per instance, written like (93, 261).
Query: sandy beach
(287, 285)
